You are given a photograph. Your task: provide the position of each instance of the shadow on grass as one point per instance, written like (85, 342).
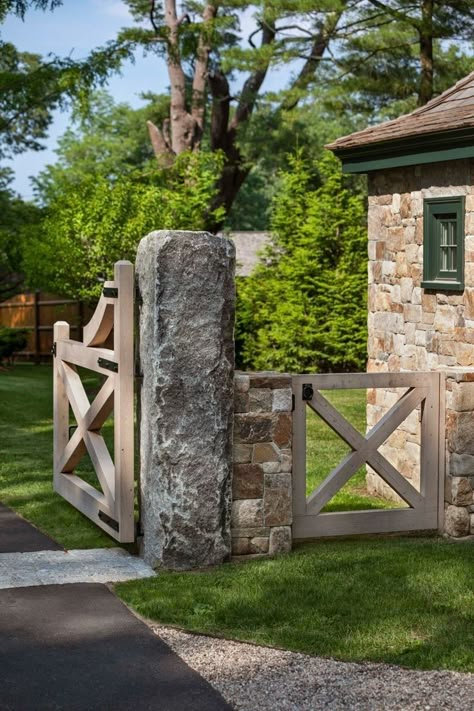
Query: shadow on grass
(403, 601)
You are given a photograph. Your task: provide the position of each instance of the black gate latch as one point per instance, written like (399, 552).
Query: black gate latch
(308, 391)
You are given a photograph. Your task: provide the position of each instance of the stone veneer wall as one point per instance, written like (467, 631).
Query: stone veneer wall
(262, 484)
(412, 329)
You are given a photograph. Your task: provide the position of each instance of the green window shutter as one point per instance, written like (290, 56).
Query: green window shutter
(443, 243)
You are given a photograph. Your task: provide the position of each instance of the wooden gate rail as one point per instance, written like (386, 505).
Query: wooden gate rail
(112, 510)
(424, 506)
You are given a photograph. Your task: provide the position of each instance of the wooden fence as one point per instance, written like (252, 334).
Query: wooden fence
(37, 312)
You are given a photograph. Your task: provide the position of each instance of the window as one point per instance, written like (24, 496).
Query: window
(443, 243)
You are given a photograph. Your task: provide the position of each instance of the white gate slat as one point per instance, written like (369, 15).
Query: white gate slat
(113, 508)
(308, 521)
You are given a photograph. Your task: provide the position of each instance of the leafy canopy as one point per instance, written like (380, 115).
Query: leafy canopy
(92, 224)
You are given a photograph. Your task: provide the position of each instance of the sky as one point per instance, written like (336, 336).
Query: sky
(74, 29)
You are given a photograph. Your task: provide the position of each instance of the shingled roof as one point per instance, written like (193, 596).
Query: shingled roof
(446, 121)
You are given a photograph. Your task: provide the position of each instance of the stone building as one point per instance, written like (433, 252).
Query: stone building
(420, 171)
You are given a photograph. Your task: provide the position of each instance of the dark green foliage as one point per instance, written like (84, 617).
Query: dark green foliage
(96, 221)
(12, 340)
(304, 309)
(16, 218)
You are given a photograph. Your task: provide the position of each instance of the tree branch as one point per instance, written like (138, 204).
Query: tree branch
(198, 101)
(252, 86)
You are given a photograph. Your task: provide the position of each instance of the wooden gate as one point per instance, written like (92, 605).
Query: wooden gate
(113, 508)
(424, 506)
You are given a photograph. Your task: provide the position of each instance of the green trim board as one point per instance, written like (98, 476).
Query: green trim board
(443, 243)
(414, 150)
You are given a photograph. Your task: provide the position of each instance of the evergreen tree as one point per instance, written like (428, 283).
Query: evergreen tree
(304, 308)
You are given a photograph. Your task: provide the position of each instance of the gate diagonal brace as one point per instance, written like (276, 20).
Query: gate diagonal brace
(365, 449)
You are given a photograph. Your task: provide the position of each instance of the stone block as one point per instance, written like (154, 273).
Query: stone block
(247, 513)
(428, 302)
(282, 431)
(242, 453)
(241, 382)
(265, 452)
(282, 400)
(259, 545)
(461, 464)
(270, 380)
(388, 268)
(286, 463)
(251, 532)
(271, 467)
(240, 546)
(456, 521)
(252, 428)
(461, 491)
(412, 313)
(186, 322)
(469, 302)
(405, 205)
(460, 432)
(416, 295)
(463, 397)
(241, 402)
(386, 321)
(260, 400)
(401, 266)
(412, 253)
(445, 319)
(280, 540)
(406, 289)
(247, 482)
(277, 500)
(396, 203)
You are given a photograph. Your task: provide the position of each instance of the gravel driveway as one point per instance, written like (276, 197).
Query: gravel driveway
(255, 678)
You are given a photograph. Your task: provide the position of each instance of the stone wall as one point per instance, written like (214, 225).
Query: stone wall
(262, 485)
(459, 514)
(413, 329)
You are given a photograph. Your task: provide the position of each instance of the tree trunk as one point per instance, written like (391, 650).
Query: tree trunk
(425, 92)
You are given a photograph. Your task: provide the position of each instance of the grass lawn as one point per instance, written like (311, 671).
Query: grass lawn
(407, 601)
(325, 450)
(26, 459)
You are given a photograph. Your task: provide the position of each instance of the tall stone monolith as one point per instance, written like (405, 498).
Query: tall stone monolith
(186, 352)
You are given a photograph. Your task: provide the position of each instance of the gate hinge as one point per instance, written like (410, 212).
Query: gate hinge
(293, 402)
(111, 292)
(108, 364)
(308, 392)
(109, 521)
(53, 349)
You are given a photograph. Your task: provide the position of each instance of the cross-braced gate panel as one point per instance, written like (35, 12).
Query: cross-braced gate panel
(422, 390)
(112, 508)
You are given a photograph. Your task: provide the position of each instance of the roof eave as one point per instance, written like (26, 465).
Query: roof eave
(409, 150)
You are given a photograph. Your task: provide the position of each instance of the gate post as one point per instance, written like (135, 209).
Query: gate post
(186, 353)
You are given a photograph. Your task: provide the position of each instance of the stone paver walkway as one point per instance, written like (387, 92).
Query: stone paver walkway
(100, 565)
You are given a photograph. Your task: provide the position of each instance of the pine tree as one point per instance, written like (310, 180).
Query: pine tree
(305, 306)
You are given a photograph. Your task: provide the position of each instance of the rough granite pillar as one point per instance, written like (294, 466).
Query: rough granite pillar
(186, 285)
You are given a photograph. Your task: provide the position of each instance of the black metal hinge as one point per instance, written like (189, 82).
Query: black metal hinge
(293, 402)
(111, 292)
(308, 392)
(53, 349)
(108, 364)
(109, 521)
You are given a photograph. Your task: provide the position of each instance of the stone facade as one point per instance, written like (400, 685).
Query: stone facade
(413, 329)
(262, 484)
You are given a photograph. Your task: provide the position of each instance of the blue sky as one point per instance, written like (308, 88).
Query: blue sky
(74, 29)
